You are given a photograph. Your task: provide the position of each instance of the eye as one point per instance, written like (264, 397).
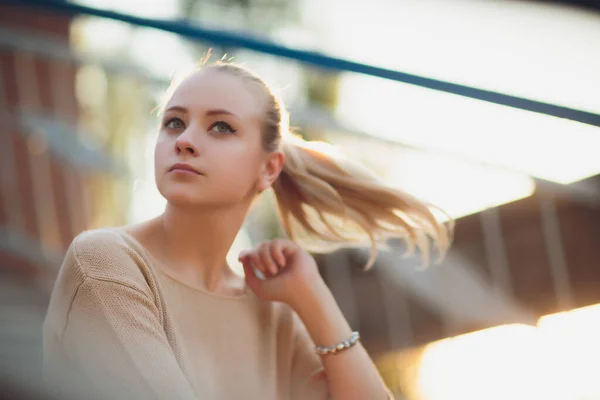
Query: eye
(174, 123)
(222, 127)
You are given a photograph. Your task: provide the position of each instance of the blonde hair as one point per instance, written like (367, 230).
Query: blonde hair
(333, 200)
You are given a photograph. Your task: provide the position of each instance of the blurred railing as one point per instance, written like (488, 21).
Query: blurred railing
(44, 164)
(59, 179)
(44, 146)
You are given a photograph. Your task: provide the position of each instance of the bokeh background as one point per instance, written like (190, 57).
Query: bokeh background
(514, 310)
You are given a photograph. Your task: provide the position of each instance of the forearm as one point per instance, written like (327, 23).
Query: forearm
(351, 373)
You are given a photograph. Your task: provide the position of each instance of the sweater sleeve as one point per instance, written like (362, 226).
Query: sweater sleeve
(114, 336)
(108, 332)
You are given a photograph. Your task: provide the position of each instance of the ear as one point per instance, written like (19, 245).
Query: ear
(271, 168)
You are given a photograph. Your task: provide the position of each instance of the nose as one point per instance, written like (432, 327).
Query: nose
(185, 143)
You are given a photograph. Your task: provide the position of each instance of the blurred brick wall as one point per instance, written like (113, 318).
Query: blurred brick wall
(25, 157)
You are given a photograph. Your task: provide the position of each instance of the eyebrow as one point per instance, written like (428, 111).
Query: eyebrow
(209, 113)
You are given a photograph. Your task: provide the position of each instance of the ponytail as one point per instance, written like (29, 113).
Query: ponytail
(324, 200)
(335, 201)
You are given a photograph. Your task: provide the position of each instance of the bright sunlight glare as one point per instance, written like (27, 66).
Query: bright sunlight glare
(458, 186)
(520, 141)
(557, 360)
(542, 52)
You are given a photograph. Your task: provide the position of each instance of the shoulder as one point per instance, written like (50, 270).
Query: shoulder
(98, 237)
(104, 254)
(101, 262)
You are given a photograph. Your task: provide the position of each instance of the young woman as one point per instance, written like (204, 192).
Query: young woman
(153, 311)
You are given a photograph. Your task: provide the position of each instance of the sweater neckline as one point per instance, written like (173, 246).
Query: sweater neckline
(242, 296)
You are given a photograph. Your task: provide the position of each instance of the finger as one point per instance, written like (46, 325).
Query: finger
(277, 252)
(243, 257)
(243, 254)
(253, 258)
(266, 259)
(289, 249)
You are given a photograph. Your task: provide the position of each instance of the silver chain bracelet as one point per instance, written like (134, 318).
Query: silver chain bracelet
(346, 344)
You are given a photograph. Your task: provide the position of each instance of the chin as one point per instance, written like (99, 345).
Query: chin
(186, 195)
(184, 201)
(182, 196)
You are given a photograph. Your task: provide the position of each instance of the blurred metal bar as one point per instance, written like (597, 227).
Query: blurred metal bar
(556, 253)
(495, 250)
(262, 45)
(306, 117)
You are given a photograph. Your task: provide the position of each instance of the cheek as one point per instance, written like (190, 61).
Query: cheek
(240, 167)
(161, 156)
(162, 152)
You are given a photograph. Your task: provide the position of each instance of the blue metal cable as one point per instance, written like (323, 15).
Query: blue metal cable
(184, 28)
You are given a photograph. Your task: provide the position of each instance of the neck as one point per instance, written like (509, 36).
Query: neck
(196, 241)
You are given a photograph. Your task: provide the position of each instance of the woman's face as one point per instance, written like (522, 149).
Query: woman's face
(209, 148)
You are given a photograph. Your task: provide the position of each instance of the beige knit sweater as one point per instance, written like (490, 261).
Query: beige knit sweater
(118, 325)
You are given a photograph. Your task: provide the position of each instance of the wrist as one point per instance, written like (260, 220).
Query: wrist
(322, 316)
(307, 283)
(309, 295)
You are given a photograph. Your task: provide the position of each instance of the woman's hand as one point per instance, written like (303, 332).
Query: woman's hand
(290, 272)
(291, 276)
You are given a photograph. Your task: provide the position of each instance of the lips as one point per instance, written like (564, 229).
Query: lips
(184, 167)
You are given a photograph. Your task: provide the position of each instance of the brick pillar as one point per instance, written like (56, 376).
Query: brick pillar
(35, 183)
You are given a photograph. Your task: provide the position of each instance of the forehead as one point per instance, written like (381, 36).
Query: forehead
(210, 89)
